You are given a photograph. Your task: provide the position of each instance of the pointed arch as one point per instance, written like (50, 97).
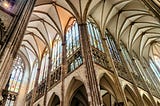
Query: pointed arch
(130, 96)
(108, 90)
(76, 93)
(54, 100)
(147, 101)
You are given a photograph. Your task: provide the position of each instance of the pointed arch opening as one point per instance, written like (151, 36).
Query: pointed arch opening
(108, 92)
(76, 94)
(55, 101)
(79, 97)
(147, 101)
(130, 96)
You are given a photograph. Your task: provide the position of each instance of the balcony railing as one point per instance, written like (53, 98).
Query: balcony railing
(100, 58)
(122, 70)
(152, 89)
(74, 61)
(2, 33)
(40, 90)
(55, 76)
(139, 81)
(8, 96)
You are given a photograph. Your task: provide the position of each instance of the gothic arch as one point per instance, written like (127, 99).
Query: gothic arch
(107, 83)
(130, 96)
(76, 94)
(54, 100)
(147, 101)
(108, 92)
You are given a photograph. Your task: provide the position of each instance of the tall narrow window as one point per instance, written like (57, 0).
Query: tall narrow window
(142, 71)
(73, 47)
(72, 38)
(128, 59)
(95, 37)
(15, 80)
(44, 67)
(112, 47)
(17, 74)
(33, 76)
(57, 52)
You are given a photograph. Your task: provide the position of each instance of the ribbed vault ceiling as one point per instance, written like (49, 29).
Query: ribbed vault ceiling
(129, 21)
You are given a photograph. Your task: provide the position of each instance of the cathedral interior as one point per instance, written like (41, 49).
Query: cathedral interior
(79, 52)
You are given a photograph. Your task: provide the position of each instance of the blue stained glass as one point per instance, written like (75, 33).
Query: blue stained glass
(57, 52)
(72, 38)
(95, 36)
(112, 47)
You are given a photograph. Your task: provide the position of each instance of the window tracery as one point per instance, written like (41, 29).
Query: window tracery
(17, 74)
(15, 80)
(128, 59)
(72, 39)
(112, 47)
(33, 76)
(57, 52)
(44, 67)
(73, 47)
(94, 36)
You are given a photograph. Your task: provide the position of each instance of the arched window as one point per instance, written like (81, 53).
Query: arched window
(15, 80)
(17, 75)
(33, 76)
(44, 67)
(128, 58)
(72, 39)
(73, 47)
(94, 36)
(56, 52)
(112, 47)
(143, 72)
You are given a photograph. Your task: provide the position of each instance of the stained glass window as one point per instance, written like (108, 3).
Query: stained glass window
(128, 59)
(44, 67)
(72, 38)
(95, 37)
(73, 47)
(112, 47)
(17, 75)
(33, 76)
(15, 80)
(76, 61)
(56, 52)
(142, 71)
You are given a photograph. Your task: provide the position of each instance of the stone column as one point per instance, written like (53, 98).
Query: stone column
(92, 83)
(129, 74)
(14, 35)
(35, 86)
(63, 71)
(47, 84)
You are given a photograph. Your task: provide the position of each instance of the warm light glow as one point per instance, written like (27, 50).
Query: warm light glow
(6, 4)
